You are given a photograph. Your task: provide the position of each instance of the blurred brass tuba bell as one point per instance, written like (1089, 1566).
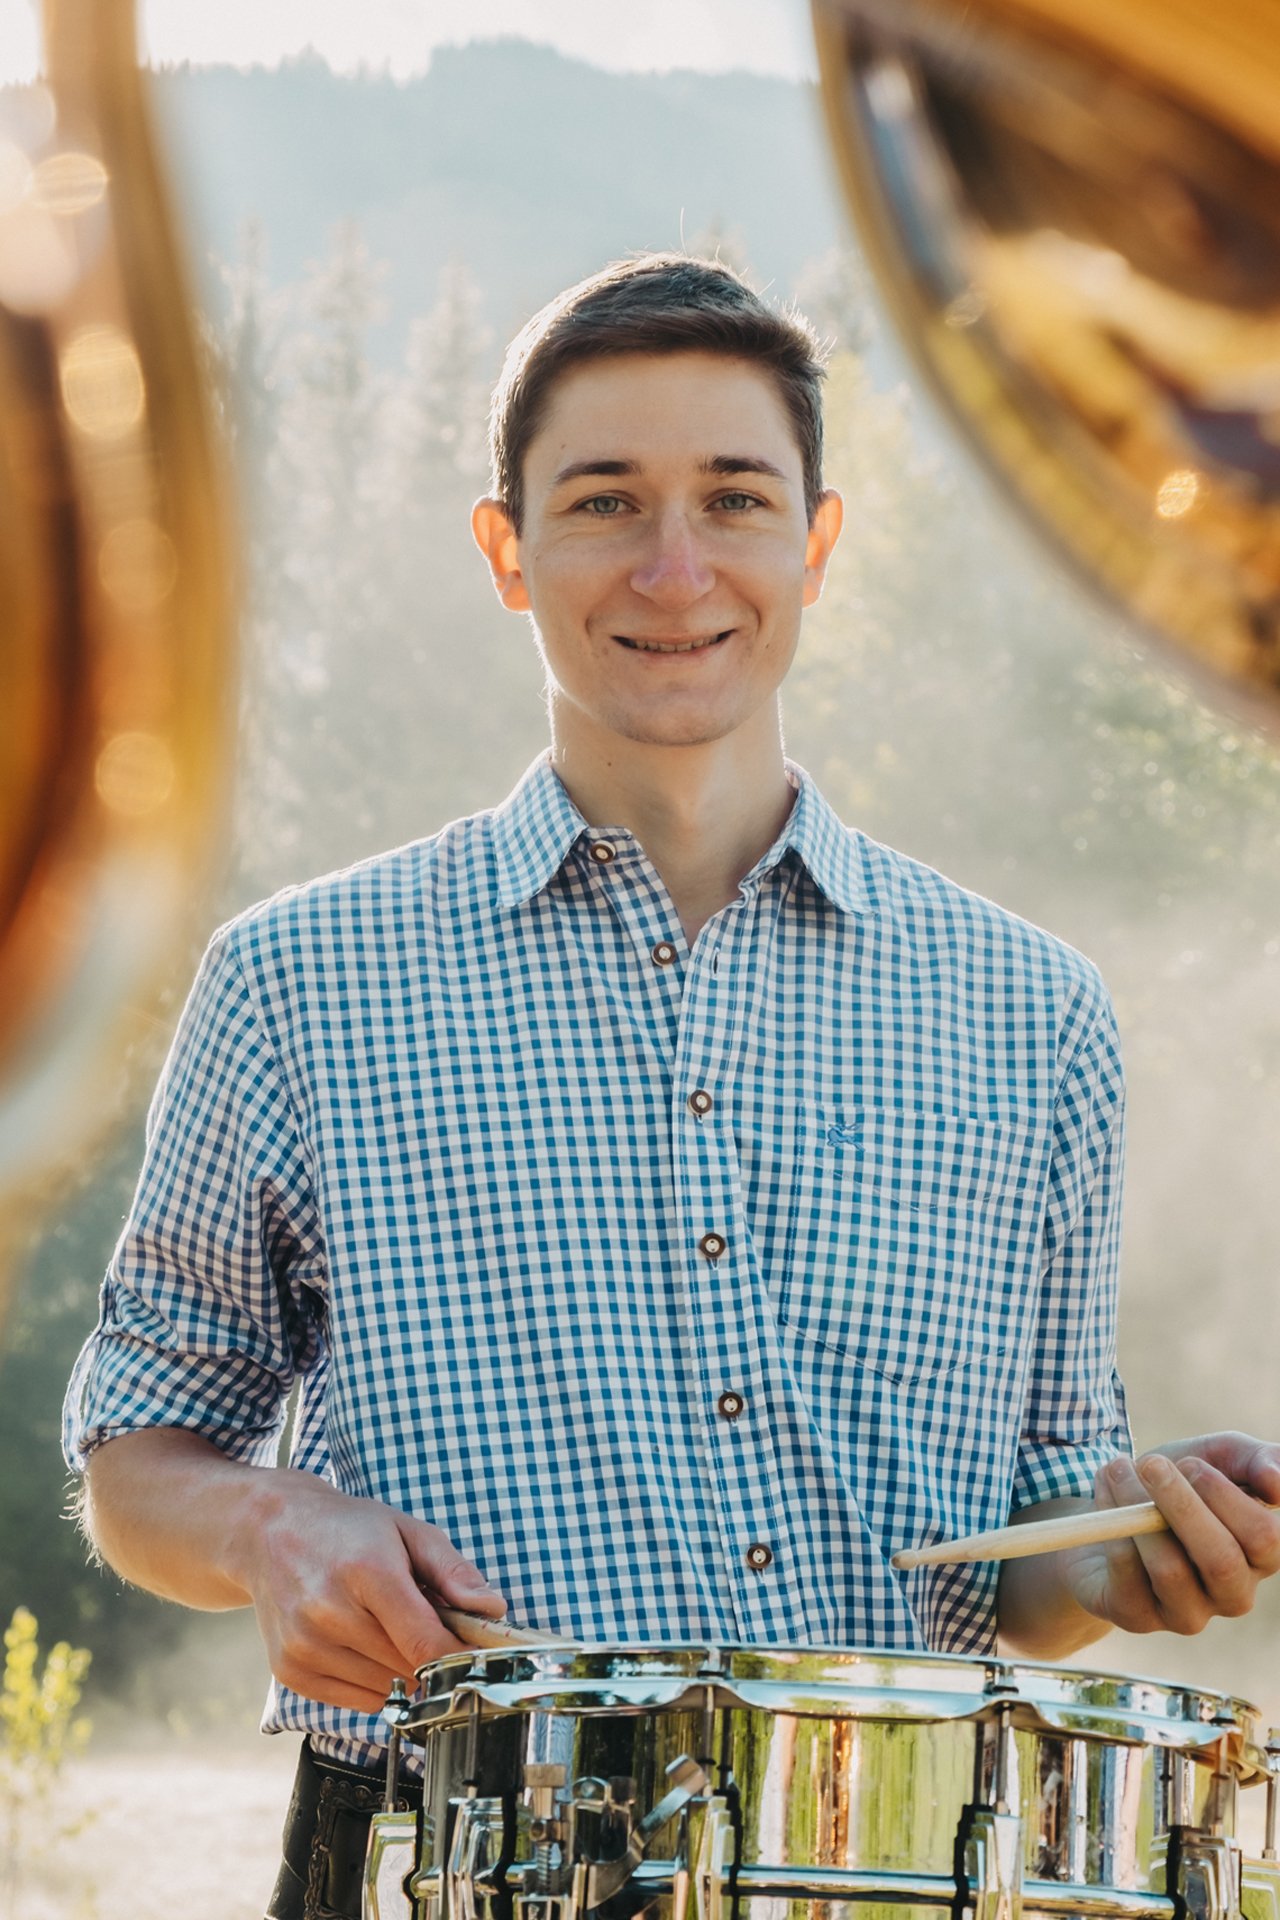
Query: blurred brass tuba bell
(1074, 208)
(116, 683)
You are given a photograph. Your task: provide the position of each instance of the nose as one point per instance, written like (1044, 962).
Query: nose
(673, 571)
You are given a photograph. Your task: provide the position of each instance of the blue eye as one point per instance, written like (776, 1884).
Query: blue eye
(602, 506)
(738, 502)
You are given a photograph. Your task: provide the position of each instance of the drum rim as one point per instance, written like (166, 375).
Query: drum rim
(541, 1672)
(544, 1659)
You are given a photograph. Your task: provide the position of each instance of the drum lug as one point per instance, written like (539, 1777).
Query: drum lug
(716, 1857)
(688, 1782)
(468, 1857)
(392, 1856)
(991, 1856)
(1206, 1874)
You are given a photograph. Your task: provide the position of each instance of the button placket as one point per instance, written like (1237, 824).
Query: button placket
(742, 1460)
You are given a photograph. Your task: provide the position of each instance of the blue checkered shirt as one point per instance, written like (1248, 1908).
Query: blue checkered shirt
(680, 1287)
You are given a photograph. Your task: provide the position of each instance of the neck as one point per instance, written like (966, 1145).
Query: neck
(703, 814)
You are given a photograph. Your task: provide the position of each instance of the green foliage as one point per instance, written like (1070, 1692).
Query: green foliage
(39, 1731)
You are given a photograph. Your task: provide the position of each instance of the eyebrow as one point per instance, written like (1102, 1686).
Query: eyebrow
(717, 463)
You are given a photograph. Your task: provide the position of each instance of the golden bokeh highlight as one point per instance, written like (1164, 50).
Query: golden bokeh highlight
(134, 774)
(67, 184)
(39, 263)
(138, 566)
(1178, 493)
(103, 389)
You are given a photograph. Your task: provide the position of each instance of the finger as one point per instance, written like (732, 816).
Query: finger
(1126, 1596)
(360, 1683)
(331, 1690)
(441, 1569)
(407, 1618)
(332, 1628)
(1198, 1568)
(1255, 1527)
(1243, 1459)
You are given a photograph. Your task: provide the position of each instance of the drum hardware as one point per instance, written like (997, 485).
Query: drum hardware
(394, 1838)
(1203, 1872)
(560, 1880)
(989, 1847)
(1260, 1879)
(982, 1788)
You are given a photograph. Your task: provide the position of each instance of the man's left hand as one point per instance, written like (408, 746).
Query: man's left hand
(1217, 1493)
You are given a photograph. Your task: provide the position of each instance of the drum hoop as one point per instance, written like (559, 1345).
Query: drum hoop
(601, 1680)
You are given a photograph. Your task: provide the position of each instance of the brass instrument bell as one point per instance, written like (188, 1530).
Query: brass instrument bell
(116, 686)
(1074, 209)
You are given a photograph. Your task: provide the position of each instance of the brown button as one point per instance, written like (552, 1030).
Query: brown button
(663, 954)
(700, 1102)
(731, 1405)
(759, 1556)
(712, 1245)
(602, 852)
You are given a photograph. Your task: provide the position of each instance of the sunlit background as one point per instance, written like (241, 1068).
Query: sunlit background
(375, 197)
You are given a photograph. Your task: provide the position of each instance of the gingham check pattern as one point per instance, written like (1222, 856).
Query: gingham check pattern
(424, 1141)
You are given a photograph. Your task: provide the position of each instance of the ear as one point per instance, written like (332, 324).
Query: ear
(498, 542)
(827, 521)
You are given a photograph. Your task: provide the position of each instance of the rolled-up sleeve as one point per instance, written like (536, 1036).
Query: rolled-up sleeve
(1074, 1417)
(213, 1300)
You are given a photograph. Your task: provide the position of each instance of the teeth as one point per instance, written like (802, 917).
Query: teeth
(671, 646)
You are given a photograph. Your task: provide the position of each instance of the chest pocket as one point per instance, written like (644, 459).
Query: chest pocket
(912, 1236)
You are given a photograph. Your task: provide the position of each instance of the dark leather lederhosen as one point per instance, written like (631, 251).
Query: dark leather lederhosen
(326, 1833)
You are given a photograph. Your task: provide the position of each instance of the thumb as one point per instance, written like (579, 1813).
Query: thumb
(444, 1573)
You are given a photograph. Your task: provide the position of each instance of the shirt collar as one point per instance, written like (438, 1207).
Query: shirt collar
(533, 831)
(831, 852)
(536, 827)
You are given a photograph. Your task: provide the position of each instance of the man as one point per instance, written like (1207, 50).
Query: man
(671, 1201)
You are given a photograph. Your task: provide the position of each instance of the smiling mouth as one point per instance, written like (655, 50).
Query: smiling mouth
(700, 643)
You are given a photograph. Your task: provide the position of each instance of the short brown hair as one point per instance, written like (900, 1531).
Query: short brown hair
(656, 303)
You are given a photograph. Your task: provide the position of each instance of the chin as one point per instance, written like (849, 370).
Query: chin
(690, 733)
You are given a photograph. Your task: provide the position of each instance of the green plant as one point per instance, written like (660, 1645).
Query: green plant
(39, 1731)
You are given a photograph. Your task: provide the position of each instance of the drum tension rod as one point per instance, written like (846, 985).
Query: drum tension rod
(395, 1712)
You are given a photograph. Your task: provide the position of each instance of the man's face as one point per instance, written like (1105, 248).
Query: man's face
(665, 554)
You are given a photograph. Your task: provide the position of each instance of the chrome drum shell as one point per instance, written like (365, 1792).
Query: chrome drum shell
(769, 1783)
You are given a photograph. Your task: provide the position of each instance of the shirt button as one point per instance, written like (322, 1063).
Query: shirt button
(759, 1556)
(731, 1405)
(602, 852)
(663, 954)
(700, 1102)
(712, 1245)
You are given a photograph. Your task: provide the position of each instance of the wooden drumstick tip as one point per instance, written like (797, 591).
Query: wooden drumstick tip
(481, 1630)
(1038, 1536)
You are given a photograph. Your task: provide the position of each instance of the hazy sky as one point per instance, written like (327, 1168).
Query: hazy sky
(765, 36)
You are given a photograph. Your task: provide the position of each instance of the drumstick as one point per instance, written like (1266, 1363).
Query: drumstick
(479, 1630)
(1039, 1536)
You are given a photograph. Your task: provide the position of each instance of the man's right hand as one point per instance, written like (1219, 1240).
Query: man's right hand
(342, 1587)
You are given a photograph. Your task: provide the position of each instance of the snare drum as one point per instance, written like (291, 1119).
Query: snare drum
(763, 1784)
